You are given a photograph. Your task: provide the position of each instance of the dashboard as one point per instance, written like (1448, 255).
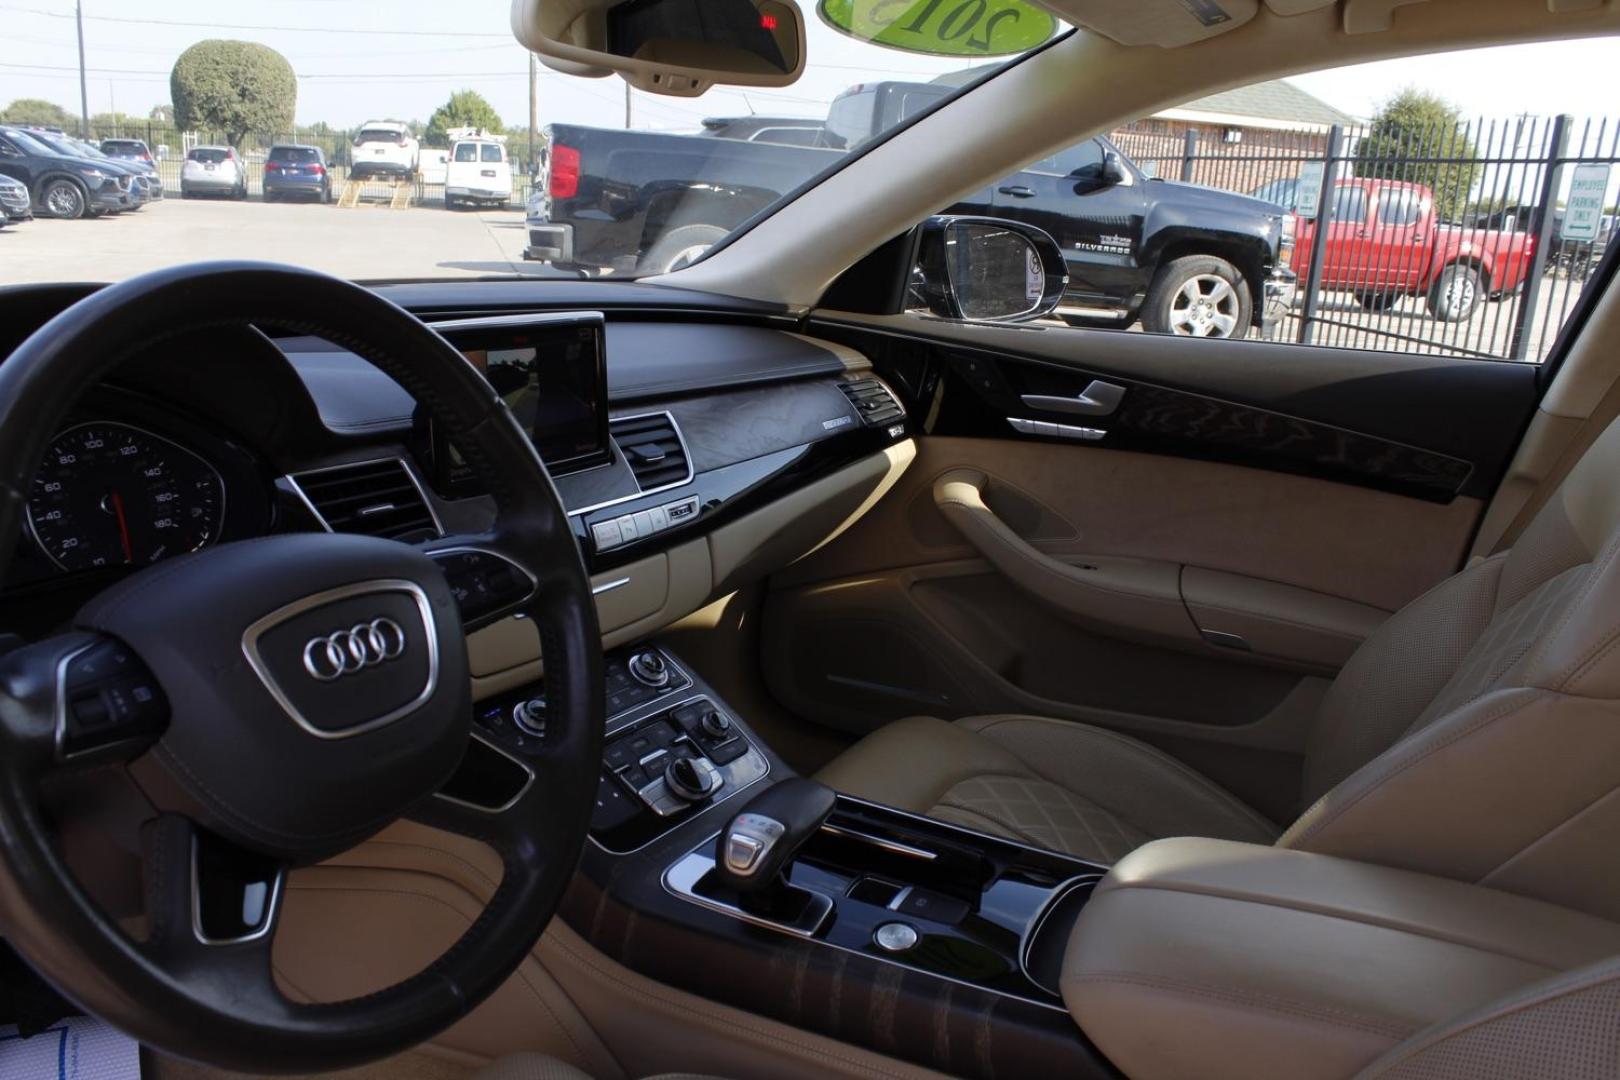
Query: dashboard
(659, 427)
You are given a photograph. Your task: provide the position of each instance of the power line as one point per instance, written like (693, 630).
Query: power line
(251, 26)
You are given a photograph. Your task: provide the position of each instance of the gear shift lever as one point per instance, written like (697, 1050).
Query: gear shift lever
(756, 846)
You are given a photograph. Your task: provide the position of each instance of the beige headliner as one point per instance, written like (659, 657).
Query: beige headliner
(1079, 86)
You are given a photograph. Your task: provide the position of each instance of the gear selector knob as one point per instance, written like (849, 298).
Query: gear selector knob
(760, 841)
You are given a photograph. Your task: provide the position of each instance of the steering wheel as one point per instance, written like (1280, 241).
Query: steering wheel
(278, 700)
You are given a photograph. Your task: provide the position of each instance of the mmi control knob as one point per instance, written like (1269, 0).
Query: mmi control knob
(692, 778)
(715, 724)
(530, 715)
(649, 669)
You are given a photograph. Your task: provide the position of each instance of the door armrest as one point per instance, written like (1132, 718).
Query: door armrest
(1217, 959)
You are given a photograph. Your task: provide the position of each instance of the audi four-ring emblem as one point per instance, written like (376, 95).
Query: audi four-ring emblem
(361, 646)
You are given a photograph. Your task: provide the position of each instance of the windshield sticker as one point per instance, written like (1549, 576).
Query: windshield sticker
(942, 27)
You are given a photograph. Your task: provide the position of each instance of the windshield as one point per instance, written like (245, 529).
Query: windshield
(28, 144)
(512, 169)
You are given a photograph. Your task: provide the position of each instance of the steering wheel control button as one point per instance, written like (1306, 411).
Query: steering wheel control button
(483, 582)
(106, 695)
(895, 937)
(650, 669)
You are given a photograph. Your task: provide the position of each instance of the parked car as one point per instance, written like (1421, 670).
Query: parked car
(14, 200)
(135, 152)
(384, 148)
(75, 147)
(478, 172)
(1181, 258)
(292, 169)
(60, 184)
(1385, 241)
(213, 170)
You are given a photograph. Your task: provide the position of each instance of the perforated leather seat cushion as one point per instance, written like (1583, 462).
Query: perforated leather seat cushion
(1069, 787)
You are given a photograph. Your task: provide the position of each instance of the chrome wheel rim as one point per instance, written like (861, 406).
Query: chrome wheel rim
(1206, 306)
(1461, 294)
(686, 257)
(63, 200)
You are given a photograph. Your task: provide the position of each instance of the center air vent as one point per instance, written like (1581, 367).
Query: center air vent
(378, 498)
(652, 445)
(873, 401)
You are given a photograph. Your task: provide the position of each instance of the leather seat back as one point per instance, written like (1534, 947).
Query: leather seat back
(1476, 734)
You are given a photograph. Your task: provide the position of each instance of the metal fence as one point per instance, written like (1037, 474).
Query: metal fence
(1469, 239)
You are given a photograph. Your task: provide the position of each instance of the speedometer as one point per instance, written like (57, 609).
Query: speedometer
(108, 494)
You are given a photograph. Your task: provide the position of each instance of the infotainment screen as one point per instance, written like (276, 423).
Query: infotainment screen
(552, 373)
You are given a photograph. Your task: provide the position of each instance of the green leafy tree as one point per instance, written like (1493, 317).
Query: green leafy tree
(466, 108)
(1417, 124)
(112, 124)
(235, 87)
(39, 111)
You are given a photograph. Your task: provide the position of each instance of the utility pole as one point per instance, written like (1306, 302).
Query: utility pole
(84, 89)
(627, 106)
(534, 113)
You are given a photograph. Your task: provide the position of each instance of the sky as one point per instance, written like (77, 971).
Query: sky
(359, 60)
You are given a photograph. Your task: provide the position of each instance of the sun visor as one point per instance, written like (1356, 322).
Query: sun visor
(1168, 24)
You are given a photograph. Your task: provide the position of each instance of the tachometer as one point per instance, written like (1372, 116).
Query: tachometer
(108, 494)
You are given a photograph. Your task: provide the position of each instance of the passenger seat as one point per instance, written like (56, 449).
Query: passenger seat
(1475, 735)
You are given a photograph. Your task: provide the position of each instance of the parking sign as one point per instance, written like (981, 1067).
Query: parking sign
(1583, 213)
(1308, 195)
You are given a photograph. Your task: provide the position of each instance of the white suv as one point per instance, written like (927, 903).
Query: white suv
(384, 148)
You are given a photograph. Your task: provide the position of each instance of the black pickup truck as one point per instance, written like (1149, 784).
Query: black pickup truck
(1181, 258)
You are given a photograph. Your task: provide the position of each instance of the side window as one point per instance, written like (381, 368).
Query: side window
(1398, 207)
(1490, 223)
(1083, 159)
(1350, 203)
(7, 150)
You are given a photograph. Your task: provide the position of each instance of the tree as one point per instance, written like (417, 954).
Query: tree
(161, 114)
(466, 108)
(1417, 124)
(38, 111)
(233, 86)
(114, 124)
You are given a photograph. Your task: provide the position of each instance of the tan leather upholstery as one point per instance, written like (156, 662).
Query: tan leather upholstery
(1475, 735)
(1562, 1027)
(1213, 959)
(541, 1067)
(1044, 782)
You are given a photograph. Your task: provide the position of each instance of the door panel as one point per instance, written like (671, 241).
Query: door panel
(1241, 516)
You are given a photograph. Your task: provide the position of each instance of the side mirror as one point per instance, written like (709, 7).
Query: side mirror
(1113, 169)
(980, 269)
(675, 47)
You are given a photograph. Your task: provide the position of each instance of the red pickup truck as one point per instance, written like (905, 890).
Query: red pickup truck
(1385, 242)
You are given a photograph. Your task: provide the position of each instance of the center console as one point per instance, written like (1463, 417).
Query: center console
(910, 936)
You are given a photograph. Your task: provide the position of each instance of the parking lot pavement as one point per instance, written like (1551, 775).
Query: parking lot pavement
(367, 242)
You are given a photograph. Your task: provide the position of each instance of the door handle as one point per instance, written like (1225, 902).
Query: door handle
(1121, 596)
(1017, 191)
(1098, 399)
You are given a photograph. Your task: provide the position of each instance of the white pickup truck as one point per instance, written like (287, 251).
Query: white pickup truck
(478, 172)
(384, 148)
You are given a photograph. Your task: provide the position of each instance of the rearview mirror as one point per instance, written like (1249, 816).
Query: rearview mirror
(675, 47)
(980, 269)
